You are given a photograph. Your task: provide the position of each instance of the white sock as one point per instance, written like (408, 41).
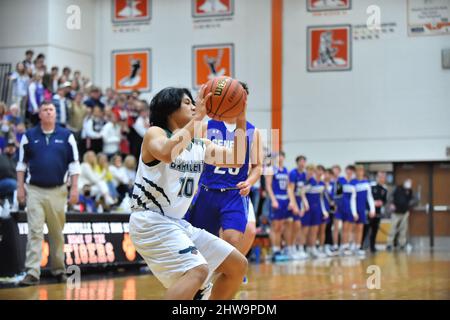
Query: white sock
(275, 249)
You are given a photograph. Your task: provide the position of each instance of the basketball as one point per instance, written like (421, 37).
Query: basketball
(228, 98)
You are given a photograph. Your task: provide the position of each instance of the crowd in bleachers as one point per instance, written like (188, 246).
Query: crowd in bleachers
(109, 127)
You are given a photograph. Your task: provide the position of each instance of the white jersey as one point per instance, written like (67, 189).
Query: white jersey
(169, 188)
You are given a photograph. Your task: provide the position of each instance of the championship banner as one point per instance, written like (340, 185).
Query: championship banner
(212, 61)
(212, 8)
(131, 11)
(328, 5)
(90, 244)
(329, 48)
(428, 17)
(131, 70)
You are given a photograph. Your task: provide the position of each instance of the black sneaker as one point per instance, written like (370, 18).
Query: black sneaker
(61, 278)
(388, 248)
(29, 280)
(373, 250)
(205, 293)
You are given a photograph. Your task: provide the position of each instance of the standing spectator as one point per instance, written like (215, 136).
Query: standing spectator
(8, 177)
(379, 192)
(77, 113)
(111, 134)
(109, 100)
(120, 177)
(35, 98)
(402, 201)
(76, 81)
(50, 80)
(20, 82)
(28, 62)
(93, 130)
(48, 152)
(134, 139)
(62, 104)
(39, 64)
(94, 99)
(65, 77)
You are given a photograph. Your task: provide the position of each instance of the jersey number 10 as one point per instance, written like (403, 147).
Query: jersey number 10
(187, 187)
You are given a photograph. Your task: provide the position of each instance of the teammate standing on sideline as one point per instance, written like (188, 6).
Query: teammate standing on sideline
(330, 205)
(364, 199)
(277, 180)
(338, 192)
(181, 256)
(347, 208)
(298, 205)
(48, 152)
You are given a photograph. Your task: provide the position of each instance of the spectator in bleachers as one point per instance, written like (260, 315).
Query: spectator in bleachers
(89, 177)
(13, 116)
(35, 98)
(130, 167)
(105, 173)
(94, 98)
(142, 122)
(112, 134)
(28, 62)
(8, 176)
(76, 82)
(62, 104)
(65, 76)
(50, 80)
(110, 97)
(93, 129)
(39, 64)
(121, 179)
(20, 82)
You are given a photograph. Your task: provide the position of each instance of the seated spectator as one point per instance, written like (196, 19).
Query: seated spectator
(121, 179)
(8, 177)
(13, 116)
(20, 82)
(112, 134)
(93, 130)
(94, 98)
(130, 166)
(35, 98)
(89, 177)
(102, 169)
(86, 202)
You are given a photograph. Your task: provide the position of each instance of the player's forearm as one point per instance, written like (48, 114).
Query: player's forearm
(20, 179)
(254, 175)
(291, 194)
(270, 192)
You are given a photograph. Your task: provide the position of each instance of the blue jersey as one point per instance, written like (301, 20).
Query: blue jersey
(280, 182)
(314, 194)
(347, 204)
(299, 180)
(364, 196)
(219, 178)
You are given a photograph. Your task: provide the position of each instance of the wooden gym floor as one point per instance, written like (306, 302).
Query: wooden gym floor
(403, 276)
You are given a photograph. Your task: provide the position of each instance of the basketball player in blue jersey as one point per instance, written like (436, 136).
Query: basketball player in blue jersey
(347, 208)
(297, 207)
(316, 214)
(364, 199)
(222, 203)
(173, 154)
(277, 180)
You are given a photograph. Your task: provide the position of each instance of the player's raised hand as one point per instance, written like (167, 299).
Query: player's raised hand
(200, 103)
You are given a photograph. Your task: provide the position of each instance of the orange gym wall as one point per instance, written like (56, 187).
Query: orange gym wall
(277, 66)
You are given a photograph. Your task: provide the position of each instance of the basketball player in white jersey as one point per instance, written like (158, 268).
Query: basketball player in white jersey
(181, 256)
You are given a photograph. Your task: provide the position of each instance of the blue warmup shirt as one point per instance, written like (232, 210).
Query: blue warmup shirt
(347, 204)
(364, 196)
(221, 178)
(280, 183)
(48, 157)
(298, 179)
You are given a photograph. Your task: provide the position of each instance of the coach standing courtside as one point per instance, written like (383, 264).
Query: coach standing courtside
(49, 152)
